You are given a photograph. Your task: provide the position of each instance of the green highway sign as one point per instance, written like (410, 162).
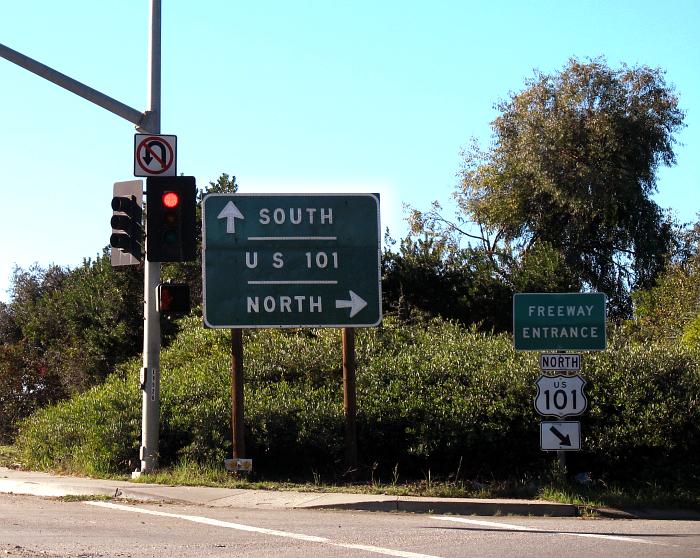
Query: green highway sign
(291, 260)
(559, 321)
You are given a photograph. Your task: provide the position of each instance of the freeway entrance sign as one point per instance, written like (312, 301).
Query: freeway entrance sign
(291, 260)
(559, 321)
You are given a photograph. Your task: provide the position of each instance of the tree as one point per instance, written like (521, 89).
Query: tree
(431, 277)
(64, 331)
(573, 164)
(671, 309)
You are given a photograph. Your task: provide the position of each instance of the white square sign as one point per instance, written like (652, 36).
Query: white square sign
(155, 155)
(561, 435)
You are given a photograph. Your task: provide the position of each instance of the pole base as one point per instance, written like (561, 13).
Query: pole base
(239, 465)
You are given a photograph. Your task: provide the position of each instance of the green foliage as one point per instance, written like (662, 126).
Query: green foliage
(691, 332)
(671, 309)
(26, 384)
(644, 412)
(96, 432)
(431, 398)
(574, 163)
(428, 277)
(431, 277)
(542, 269)
(64, 331)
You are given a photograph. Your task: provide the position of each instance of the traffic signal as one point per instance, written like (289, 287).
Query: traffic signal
(127, 232)
(170, 219)
(174, 299)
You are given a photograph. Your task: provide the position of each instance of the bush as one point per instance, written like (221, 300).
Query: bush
(96, 432)
(432, 398)
(643, 418)
(435, 398)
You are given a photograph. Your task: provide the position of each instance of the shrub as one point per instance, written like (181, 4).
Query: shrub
(432, 398)
(96, 432)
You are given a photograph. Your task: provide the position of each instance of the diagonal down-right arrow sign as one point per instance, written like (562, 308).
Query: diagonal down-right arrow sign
(561, 435)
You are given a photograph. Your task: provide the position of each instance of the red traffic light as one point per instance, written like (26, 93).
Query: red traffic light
(173, 299)
(171, 219)
(170, 199)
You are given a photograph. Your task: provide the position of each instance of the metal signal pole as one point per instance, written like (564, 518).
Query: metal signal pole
(150, 382)
(148, 121)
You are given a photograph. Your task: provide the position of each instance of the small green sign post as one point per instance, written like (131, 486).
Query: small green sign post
(291, 260)
(559, 321)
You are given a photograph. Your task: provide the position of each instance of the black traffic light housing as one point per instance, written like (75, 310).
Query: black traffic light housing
(171, 219)
(127, 232)
(173, 299)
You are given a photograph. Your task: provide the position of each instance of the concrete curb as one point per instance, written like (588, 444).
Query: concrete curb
(453, 506)
(43, 484)
(669, 515)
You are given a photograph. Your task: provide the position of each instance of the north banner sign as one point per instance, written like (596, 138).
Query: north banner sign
(291, 260)
(560, 362)
(559, 321)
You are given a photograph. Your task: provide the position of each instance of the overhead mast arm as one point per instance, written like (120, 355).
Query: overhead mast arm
(142, 120)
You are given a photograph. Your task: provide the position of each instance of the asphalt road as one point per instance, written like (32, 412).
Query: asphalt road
(32, 526)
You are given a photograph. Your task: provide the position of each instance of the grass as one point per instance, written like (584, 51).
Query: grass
(85, 498)
(597, 495)
(9, 457)
(648, 496)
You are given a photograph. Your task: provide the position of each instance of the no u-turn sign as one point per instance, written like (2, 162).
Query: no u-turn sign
(155, 155)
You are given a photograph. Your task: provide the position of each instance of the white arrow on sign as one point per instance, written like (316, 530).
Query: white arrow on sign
(355, 304)
(230, 212)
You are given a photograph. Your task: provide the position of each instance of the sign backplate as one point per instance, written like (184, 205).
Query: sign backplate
(559, 321)
(119, 257)
(560, 362)
(155, 155)
(291, 260)
(560, 396)
(562, 435)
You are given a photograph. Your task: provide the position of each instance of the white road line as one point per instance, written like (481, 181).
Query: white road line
(263, 531)
(536, 530)
(309, 282)
(264, 238)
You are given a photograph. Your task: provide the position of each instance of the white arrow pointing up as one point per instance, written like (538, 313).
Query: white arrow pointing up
(355, 304)
(230, 212)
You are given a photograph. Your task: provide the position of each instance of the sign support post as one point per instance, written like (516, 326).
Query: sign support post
(350, 399)
(237, 406)
(561, 455)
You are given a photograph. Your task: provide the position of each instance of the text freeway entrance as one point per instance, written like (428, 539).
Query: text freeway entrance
(559, 321)
(291, 260)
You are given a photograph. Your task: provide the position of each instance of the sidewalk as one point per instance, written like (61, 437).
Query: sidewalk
(43, 484)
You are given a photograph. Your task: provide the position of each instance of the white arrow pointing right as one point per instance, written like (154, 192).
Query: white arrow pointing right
(230, 212)
(355, 304)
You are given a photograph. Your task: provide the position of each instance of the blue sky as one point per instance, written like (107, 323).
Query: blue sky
(304, 96)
